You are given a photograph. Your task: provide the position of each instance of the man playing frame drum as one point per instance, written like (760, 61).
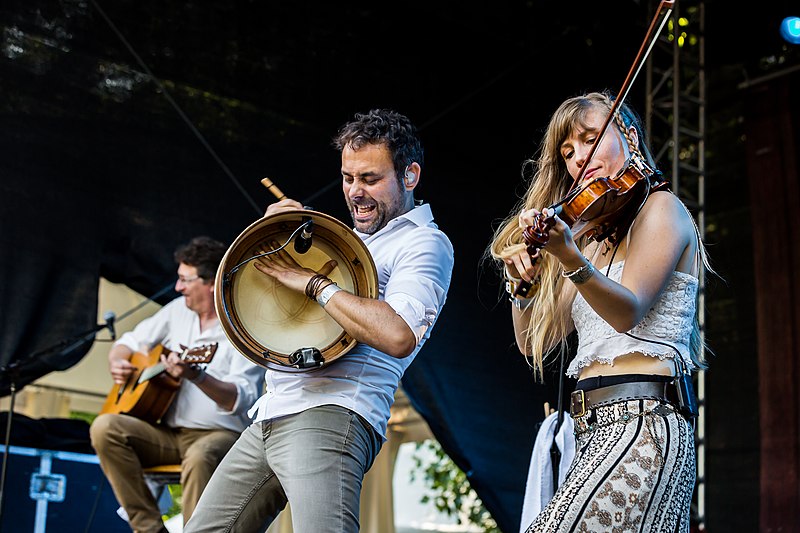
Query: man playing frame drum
(316, 433)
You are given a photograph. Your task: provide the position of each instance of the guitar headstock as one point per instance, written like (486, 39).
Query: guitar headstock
(201, 354)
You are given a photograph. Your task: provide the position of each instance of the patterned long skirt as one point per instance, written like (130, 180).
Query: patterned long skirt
(634, 470)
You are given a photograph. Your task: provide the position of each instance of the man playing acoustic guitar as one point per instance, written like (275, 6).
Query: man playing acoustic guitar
(209, 407)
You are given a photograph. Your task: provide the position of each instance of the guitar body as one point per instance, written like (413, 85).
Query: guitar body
(149, 390)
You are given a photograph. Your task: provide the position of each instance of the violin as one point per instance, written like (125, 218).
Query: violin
(605, 207)
(602, 209)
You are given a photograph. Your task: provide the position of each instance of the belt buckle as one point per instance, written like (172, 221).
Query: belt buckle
(577, 403)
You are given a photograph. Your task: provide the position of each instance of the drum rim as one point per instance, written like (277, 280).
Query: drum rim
(253, 349)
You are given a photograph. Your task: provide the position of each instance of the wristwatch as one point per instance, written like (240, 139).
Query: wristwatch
(521, 302)
(200, 377)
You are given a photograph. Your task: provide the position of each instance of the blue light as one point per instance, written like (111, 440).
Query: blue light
(790, 29)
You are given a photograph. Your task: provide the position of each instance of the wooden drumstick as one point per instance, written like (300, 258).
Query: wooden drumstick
(266, 182)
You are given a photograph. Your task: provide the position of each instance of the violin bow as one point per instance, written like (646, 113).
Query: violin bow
(644, 50)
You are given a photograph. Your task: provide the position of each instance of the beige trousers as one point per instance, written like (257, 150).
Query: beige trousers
(125, 445)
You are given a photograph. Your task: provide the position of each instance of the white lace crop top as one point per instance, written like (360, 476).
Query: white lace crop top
(670, 320)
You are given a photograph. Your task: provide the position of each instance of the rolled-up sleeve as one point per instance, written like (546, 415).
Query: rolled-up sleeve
(420, 277)
(248, 379)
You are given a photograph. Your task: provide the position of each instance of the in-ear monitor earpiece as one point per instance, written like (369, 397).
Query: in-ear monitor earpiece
(410, 177)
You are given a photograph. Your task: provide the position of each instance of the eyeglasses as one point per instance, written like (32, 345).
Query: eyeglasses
(187, 281)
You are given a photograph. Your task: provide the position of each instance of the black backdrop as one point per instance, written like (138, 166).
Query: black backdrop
(105, 169)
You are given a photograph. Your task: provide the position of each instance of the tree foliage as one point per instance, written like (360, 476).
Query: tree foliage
(448, 486)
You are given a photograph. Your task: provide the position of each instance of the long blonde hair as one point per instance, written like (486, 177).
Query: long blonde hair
(550, 312)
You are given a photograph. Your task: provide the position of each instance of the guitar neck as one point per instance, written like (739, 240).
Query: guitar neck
(147, 398)
(204, 356)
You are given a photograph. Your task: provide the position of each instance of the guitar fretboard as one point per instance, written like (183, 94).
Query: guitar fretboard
(152, 372)
(192, 356)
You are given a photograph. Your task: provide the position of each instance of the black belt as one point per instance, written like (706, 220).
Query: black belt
(581, 401)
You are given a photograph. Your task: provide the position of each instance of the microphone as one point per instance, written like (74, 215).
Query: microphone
(303, 241)
(110, 317)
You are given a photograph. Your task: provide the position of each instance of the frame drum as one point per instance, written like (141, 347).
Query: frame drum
(269, 323)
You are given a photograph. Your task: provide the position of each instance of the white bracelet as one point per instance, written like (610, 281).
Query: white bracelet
(508, 275)
(326, 293)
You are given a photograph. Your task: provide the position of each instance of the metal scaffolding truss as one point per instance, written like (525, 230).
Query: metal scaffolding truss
(675, 118)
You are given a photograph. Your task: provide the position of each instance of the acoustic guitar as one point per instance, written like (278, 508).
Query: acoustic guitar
(149, 390)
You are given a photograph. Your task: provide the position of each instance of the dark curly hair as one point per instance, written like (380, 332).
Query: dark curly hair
(383, 126)
(203, 253)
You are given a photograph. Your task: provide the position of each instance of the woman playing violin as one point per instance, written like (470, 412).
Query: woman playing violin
(632, 300)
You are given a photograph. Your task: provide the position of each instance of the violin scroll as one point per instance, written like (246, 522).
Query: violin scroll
(537, 235)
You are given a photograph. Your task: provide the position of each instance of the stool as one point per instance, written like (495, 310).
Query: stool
(158, 478)
(164, 474)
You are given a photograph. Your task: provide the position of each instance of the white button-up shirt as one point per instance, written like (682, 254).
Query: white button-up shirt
(414, 262)
(175, 324)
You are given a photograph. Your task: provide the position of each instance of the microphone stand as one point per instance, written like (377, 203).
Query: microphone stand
(13, 370)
